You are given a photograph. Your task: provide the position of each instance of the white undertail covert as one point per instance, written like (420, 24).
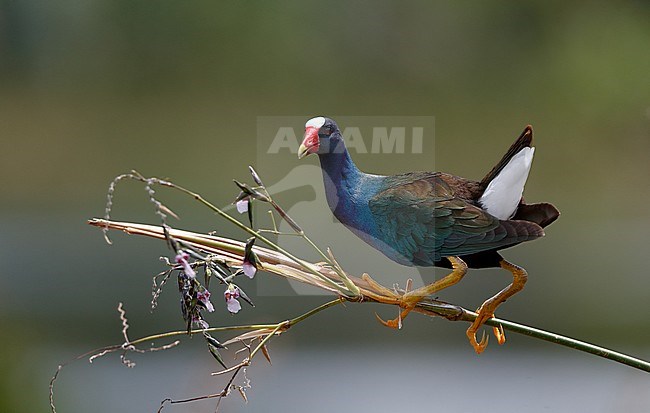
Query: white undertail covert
(503, 193)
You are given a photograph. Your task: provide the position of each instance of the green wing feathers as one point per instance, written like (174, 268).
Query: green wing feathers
(424, 221)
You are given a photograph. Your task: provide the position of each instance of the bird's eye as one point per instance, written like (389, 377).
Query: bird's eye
(325, 131)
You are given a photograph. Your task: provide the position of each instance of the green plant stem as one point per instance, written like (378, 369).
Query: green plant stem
(457, 313)
(348, 283)
(288, 323)
(571, 343)
(266, 339)
(177, 333)
(313, 311)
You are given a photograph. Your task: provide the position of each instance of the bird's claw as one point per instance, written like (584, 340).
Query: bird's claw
(395, 323)
(479, 347)
(481, 318)
(499, 334)
(406, 300)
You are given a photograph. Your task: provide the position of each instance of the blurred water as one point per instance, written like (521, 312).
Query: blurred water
(367, 378)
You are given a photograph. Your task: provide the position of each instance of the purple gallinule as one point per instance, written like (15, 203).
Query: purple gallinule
(434, 218)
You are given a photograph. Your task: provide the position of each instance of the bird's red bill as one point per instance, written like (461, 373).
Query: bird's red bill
(310, 141)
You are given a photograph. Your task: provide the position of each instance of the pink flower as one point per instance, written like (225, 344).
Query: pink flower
(242, 205)
(200, 322)
(181, 258)
(231, 295)
(250, 260)
(249, 269)
(204, 297)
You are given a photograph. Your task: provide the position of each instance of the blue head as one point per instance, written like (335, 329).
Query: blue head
(322, 136)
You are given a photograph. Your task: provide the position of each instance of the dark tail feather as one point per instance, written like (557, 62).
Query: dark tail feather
(524, 140)
(542, 214)
(521, 231)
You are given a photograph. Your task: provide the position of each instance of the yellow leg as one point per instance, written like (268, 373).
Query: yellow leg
(409, 300)
(487, 309)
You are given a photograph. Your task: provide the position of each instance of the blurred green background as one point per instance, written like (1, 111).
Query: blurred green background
(92, 89)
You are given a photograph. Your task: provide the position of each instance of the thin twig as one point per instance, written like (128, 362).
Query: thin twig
(571, 343)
